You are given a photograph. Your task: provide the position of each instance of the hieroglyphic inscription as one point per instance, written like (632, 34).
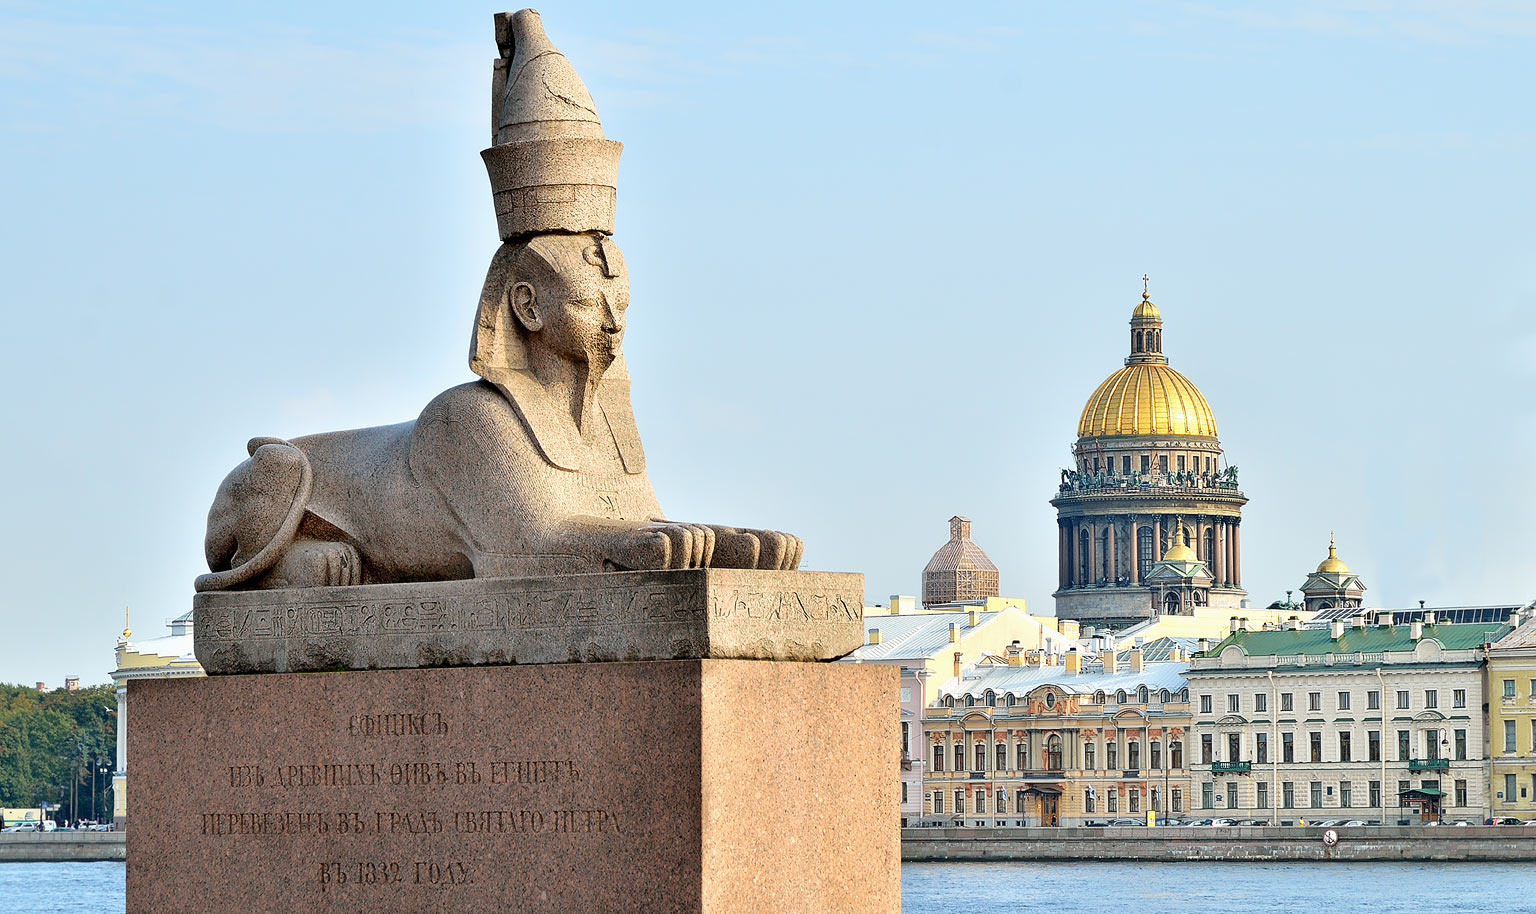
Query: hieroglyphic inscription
(328, 799)
(516, 611)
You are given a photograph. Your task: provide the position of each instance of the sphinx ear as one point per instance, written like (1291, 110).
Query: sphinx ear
(522, 301)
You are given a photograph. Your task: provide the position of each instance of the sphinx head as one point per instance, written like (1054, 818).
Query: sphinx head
(552, 298)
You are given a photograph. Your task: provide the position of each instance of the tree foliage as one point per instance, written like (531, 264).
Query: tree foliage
(49, 743)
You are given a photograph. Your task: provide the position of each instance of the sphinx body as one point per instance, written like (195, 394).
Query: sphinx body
(534, 469)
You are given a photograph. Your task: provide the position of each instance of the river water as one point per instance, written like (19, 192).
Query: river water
(1057, 888)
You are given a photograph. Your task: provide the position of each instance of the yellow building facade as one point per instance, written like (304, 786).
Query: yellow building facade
(1511, 696)
(1044, 744)
(159, 657)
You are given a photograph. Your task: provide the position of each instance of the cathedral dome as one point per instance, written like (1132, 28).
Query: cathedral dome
(959, 571)
(1146, 397)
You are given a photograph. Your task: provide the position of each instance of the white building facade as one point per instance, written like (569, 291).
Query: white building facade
(1381, 723)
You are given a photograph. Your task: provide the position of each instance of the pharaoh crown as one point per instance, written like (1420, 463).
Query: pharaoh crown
(551, 168)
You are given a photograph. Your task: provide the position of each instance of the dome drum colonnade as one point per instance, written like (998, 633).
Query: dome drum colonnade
(1147, 460)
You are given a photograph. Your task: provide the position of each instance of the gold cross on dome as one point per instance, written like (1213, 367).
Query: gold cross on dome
(1145, 285)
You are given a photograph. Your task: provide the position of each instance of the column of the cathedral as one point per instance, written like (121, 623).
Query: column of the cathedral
(1135, 573)
(1061, 555)
(1093, 552)
(1237, 555)
(1114, 552)
(1157, 540)
(1219, 560)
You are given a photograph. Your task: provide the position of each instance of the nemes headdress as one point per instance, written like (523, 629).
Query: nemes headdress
(551, 168)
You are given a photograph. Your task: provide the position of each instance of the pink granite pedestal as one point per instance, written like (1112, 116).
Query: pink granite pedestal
(665, 786)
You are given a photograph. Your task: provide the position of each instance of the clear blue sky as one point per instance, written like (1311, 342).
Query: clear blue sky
(881, 254)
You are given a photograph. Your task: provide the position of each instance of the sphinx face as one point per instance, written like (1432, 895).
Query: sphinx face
(581, 300)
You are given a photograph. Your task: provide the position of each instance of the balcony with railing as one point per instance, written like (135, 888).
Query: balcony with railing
(1429, 764)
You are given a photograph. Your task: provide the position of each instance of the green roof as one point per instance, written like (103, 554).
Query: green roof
(1373, 639)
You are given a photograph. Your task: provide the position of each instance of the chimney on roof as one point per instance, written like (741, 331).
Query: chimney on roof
(1205, 645)
(1336, 629)
(1384, 619)
(954, 633)
(1175, 655)
(1358, 621)
(1429, 618)
(1137, 664)
(874, 636)
(1243, 624)
(973, 618)
(1015, 654)
(957, 664)
(1110, 663)
(1232, 625)
(1415, 630)
(1073, 662)
(1069, 629)
(1293, 623)
(901, 604)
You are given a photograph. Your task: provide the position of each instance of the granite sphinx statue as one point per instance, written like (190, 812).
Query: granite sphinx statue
(534, 469)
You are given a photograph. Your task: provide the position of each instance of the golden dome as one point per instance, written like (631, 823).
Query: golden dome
(1146, 398)
(1333, 564)
(1145, 308)
(1180, 551)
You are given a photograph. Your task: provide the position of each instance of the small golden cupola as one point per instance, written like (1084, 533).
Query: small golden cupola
(1333, 586)
(1332, 564)
(1180, 551)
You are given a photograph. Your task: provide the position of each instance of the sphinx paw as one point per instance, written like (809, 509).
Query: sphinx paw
(314, 563)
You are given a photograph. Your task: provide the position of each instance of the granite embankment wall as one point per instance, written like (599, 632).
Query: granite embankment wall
(63, 847)
(1480, 843)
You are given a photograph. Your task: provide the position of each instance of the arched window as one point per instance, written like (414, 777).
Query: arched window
(1141, 694)
(1053, 753)
(1170, 604)
(1082, 556)
(1184, 694)
(1011, 699)
(1133, 755)
(1210, 548)
(1175, 754)
(970, 701)
(1111, 755)
(1088, 749)
(1144, 553)
(1164, 696)
(949, 701)
(1098, 697)
(991, 699)
(1138, 341)
(981, 758)
(1120, 697)
(1002, 756)
(1157, 754)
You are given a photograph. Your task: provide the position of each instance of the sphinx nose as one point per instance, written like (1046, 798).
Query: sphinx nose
(613, 319)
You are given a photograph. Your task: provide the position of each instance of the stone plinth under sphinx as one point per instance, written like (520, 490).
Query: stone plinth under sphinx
(666, 786)
(639, 615)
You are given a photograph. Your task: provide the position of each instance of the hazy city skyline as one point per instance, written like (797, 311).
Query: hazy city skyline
(924, 238)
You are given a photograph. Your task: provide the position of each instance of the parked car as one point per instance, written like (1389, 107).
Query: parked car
(1328, 823)
(1223, 823)
(1127, 823)
(1170, 823)
(1354, 823)
(1197, 823)
(1503, 820)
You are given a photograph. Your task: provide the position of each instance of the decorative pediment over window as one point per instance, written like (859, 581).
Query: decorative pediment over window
(1231, 720)
(1429, 716)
